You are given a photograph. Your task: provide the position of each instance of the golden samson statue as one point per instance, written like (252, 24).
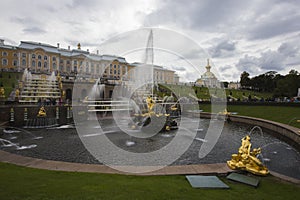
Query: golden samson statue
(247, 160)
(42, 112)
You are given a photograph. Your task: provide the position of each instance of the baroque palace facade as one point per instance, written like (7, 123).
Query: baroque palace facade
(44, 59)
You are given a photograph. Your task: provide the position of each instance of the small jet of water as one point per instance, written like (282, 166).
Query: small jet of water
(274, 152)
(26, 147)
(167, 135)
(200, 139)
(199, 129)
(267, 159)
(10, 131)
(130, 143)
(65, 126)
(38, 137)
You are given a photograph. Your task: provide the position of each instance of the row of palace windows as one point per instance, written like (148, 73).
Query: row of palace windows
(113, 70)
(33, 56)
(68, 68)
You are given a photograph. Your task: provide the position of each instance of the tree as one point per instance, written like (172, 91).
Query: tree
(287, 86)
(245, 80)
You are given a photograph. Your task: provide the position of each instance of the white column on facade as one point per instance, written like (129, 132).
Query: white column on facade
(48, 61)
(72, 65)
(29, 61)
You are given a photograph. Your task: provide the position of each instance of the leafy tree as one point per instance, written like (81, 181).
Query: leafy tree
(245, 80)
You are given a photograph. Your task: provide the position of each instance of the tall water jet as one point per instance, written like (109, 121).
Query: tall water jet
(52, 78)
(97, 91)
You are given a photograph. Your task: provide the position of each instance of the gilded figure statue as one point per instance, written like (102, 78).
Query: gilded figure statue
(247, 160)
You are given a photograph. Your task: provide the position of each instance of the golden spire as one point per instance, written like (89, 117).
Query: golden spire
(78, 46)
(208, 66)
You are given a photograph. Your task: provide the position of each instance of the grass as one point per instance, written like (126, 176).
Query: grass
(204, 93)
(9, 80)
(283, 114)
(25, 183)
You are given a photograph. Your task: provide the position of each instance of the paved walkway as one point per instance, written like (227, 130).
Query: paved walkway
(218, 168)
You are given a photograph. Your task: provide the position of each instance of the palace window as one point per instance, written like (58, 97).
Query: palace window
(54, 66)
(45, 58)
(33, 63)
(53, 58)
(61, 61)
(61, 68)
(23, 55)
(75, 68)
(39, 57)
(33, 56)
(39, 64)
(68, 62)
(45, 64)
(23, 62)
(97, 69)
(15, 63)
(15, 55)
(4, 53)
(75, 62)
(68, 69)
(115, 71)
(115, 66)
(87, 69)
(4, 62)
(92, 68)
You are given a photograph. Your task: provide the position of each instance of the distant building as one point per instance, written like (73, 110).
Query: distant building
(42, 58)
(234, 85)
(208, 79)
(160, 74)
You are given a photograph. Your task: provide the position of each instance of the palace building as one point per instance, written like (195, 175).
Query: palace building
(208, 79)
(40, 58)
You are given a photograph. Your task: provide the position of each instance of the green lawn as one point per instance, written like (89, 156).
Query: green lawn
(26, 183)
(282, 114)
(205, 93)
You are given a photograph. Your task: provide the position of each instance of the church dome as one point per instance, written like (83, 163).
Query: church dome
(208, 74)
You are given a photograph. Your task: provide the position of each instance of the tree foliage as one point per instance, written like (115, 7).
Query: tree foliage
(279, 85)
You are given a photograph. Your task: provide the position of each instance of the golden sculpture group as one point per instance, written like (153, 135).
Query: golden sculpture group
(42, 112)
(247, 160)
(151, 113)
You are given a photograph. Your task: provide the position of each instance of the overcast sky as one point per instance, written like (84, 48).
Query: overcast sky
(254, 36)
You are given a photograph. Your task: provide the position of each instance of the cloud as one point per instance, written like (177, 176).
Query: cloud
(223, 48)
(225, 68)
(34, 30)
(178, 68)
(271, 28)
(253, 35)
(209, 14)
(289, 48)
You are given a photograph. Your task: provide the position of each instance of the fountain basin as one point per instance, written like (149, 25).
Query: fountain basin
(65, 145)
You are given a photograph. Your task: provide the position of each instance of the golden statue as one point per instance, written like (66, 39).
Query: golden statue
(2, 92)
(17, 93)
(247, 159)
(150, 104)
(225, 112)
(42, 112)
